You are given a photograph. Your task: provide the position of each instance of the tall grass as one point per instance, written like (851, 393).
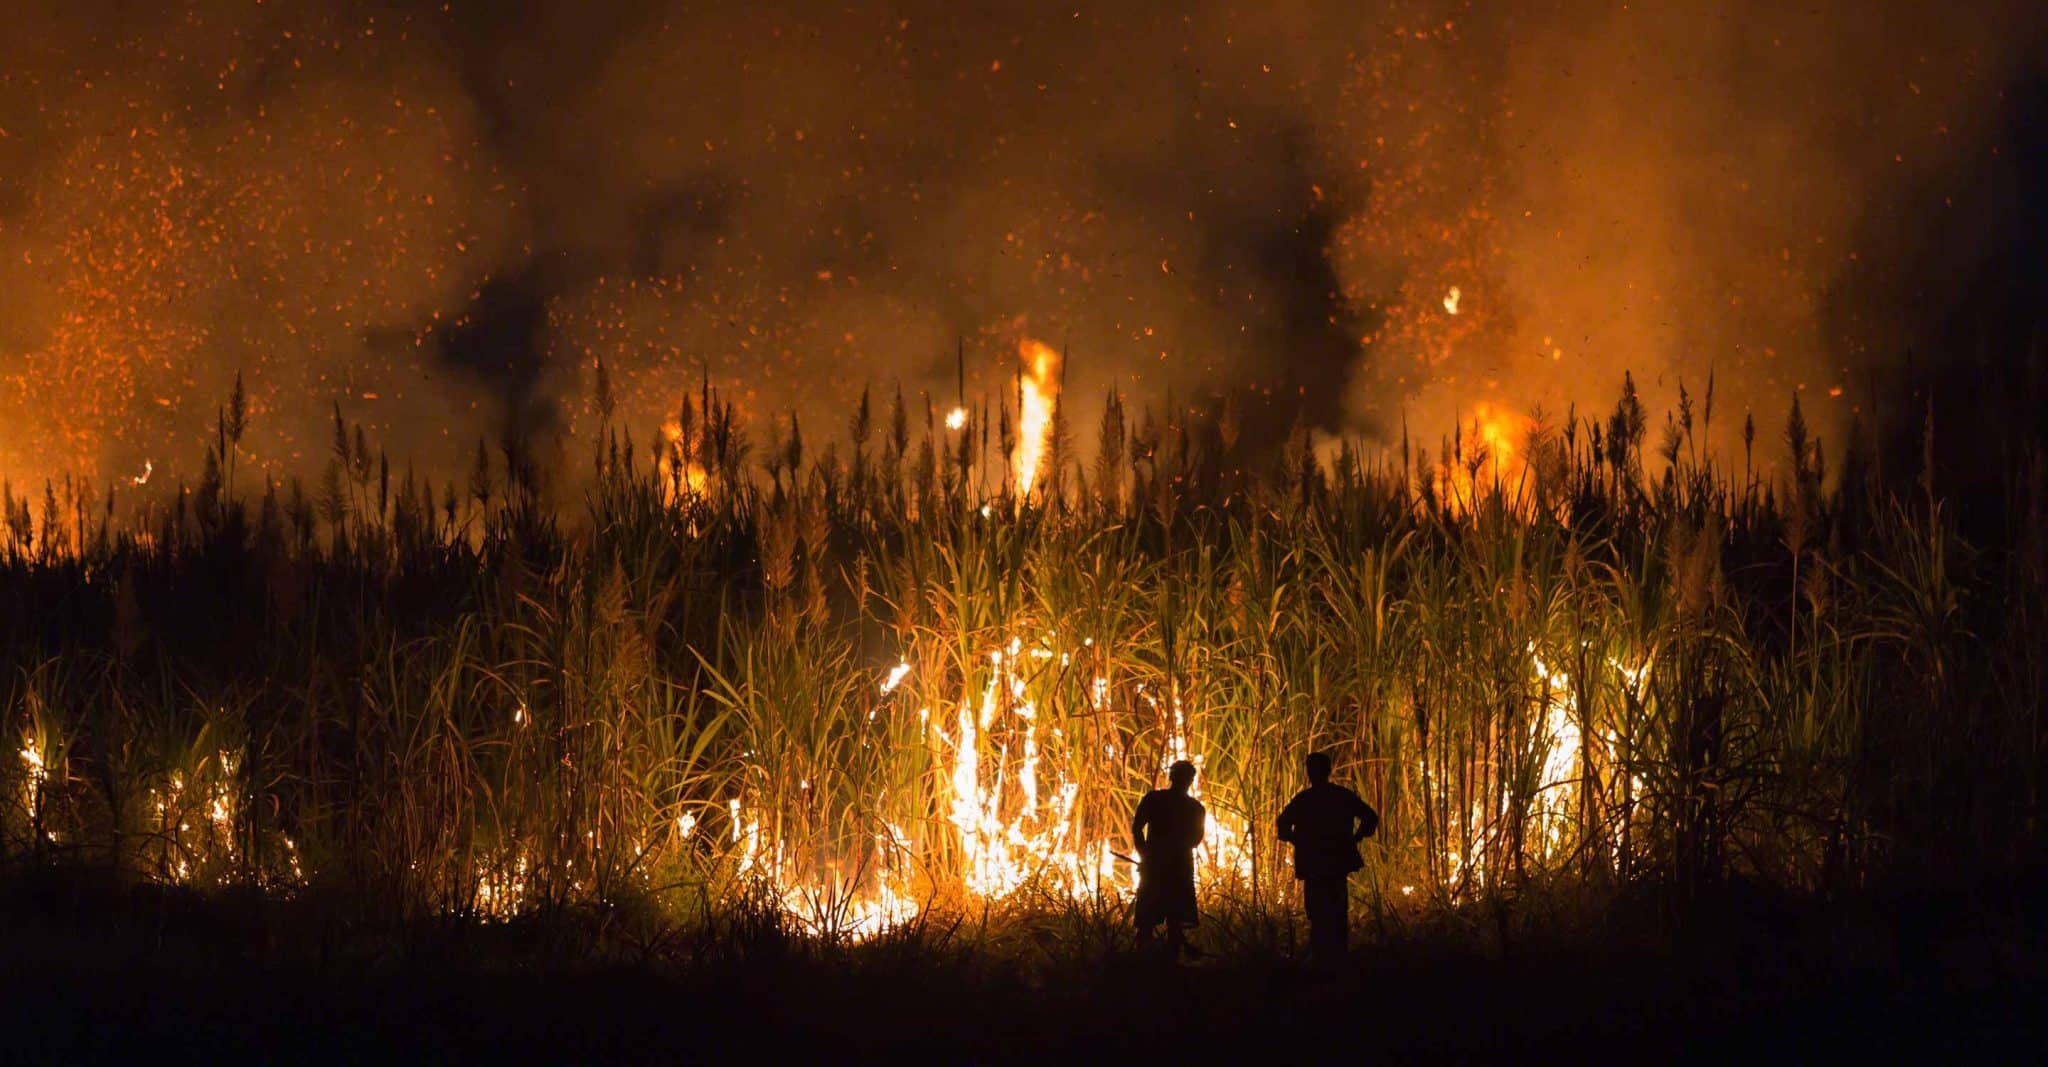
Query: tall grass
(675, 683)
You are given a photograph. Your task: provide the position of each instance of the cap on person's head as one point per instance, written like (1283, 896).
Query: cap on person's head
(1318, 766)
(1181, 773)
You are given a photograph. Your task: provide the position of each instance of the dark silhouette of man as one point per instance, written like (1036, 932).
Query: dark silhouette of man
(1325, 823)
(1166, 828)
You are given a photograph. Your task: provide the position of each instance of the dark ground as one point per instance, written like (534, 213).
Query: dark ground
(97, 972)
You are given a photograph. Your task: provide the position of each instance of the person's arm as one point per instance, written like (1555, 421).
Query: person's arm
(1138, 820)
(1367, 819)
(1285, 824)
(1201, 824)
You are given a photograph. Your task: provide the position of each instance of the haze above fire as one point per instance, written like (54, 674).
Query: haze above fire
(442, 218)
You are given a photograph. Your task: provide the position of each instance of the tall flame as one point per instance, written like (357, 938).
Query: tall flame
(1038, 390)
(1493, 439)
(1500, 431)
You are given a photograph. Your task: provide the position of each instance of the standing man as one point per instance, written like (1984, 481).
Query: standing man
(1326, 822)
(1166, 828)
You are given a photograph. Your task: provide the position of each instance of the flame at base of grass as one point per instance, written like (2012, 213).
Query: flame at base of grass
(198, 823)
(876, 898)
(1556, 741)
(1006, 812)
(501, 891)
(33, 781)
(1007, 817)
(1011, 813)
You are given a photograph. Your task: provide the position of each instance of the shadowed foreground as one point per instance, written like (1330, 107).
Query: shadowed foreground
(99, 972)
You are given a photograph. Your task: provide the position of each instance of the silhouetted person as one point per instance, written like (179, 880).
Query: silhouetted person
(1326, 822)
(1166, 828)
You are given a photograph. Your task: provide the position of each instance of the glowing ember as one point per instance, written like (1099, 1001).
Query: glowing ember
(956, 419)
(38, 773)
(895, 678)
(1451, 300)
(500, 894)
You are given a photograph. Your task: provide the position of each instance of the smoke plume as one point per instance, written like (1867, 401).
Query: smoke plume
(441, 217)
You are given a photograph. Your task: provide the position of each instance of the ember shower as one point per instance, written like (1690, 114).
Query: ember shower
(1345, 212)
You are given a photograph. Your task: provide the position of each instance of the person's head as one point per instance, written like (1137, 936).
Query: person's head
(1182, 775)
(1318, 767)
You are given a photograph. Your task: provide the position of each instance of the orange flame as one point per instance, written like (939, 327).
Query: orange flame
(680, 475)
(1492, 454)
(1038, 389)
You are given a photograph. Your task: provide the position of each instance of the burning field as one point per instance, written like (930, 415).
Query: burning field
(926, 668)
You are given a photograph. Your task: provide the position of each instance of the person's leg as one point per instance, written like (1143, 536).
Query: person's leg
(1145, 913)
(1312, 906)
(1324, 900)
(1340, 917)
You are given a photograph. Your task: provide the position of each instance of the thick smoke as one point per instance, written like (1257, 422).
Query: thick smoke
(1736, 187)
(443, 218)
(283, 195)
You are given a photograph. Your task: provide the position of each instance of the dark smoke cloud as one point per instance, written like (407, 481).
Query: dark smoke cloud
(459, 210)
